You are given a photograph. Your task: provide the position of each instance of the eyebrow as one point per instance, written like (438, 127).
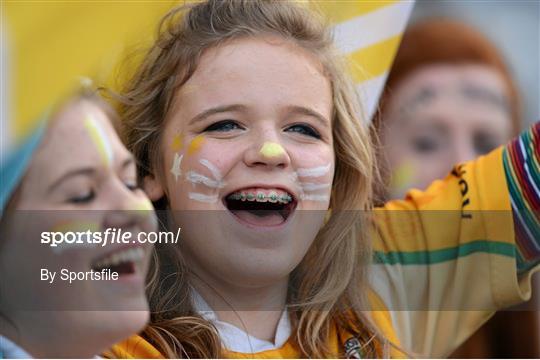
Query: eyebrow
(88, 171)
(216, 110)
(295, 109)
(486, 95)
(239, 107)
(425, 94)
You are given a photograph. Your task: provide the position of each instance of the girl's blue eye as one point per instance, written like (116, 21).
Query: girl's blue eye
(83, 199)
(223, 126)
(304, 130)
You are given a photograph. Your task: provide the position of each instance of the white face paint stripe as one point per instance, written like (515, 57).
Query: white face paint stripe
(313, 187)
(213, 169)
(197, 178)
(322, 198)
(294, 177)
(315, 171)
(203, 198)
(175, 169)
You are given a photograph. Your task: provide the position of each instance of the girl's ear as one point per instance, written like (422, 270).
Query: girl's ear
(153, 188)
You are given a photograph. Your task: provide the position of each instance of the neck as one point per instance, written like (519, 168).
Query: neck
(256, 310)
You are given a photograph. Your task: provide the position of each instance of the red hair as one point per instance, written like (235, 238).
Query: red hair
(442, 41)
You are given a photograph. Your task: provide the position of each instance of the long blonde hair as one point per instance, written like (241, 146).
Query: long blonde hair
(329, 286)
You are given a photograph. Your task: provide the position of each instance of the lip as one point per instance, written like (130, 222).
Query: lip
(117, 248)
(135, 279)
(258, 227)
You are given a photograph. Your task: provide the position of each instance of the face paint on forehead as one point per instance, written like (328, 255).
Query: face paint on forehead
(100, 139)
(75, 227)
(203, 197)
(175, 169)
(479, 93)
(271, 149)
(314, 172)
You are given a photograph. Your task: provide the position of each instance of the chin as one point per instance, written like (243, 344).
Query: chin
(123, 324)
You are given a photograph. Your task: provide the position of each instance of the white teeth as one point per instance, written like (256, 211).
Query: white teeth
(127, 255)
(273, 197)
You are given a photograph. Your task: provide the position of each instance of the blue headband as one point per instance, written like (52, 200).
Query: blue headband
(14, 164)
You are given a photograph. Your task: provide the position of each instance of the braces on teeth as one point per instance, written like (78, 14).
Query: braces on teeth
(272, 197)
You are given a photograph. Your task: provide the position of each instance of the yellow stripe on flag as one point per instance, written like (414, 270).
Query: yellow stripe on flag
(374, 60)
(342, 10)
(53, 43)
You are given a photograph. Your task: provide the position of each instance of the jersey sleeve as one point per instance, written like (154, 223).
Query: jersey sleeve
(448, 257)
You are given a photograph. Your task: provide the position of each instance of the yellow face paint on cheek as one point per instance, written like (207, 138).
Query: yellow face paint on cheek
(78, 229)
(147, 212)
(75, 226)
(177, 143)
(195, 144)
(142, 205)
(271, 149)
(402, 176)
(100, 139)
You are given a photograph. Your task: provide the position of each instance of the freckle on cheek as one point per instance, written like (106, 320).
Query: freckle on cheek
(195, 145)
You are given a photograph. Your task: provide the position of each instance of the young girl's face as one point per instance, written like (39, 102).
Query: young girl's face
(81, 178)
(249, 135)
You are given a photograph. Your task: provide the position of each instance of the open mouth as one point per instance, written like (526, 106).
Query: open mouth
(261, 206)
(124, 261)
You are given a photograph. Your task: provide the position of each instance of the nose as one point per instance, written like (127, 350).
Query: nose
(463, 151)
(268, 153)
(123, 205)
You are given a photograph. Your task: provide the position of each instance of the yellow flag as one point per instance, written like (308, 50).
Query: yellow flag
(48, 45)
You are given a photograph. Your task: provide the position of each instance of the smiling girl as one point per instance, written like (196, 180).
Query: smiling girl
(246, 127)
(80, 177)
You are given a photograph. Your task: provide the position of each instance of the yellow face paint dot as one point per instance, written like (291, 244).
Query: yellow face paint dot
(402, 177)
(270, 149)
(195, 144)
(177, 143)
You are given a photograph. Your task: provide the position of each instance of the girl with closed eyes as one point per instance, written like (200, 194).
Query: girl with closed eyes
(72, 175)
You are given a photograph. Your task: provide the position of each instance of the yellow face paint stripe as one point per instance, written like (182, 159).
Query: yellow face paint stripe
(195, 144)
(100, 139)
(271, 149)
(177, 143)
